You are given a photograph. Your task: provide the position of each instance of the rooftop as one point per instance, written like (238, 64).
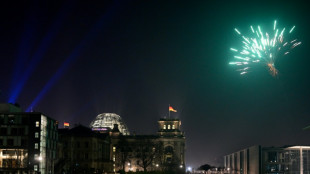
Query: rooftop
(8, 107)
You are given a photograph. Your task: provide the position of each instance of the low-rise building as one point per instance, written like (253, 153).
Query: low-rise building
(82, 150)
(164, 151)
(268, 160)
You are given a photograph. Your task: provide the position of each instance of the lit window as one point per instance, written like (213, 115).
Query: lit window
(173, 127)
(164, 126)
(169, 126)
(37, 124)
(36, 146)
(36, 135)
(114, 149)
(35, 167)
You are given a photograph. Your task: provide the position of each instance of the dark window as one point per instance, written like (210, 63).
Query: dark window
(78, 144)
(24, 120)
(24, 142)
(10, 142)
(3, 131)
(248, 159)
(86, 155)
(86, 144)
(272, 157)
(168, 149)
(1, 119)
(235, 161)
(22, 131)
(241, 162)
(14, 131)
(1, 142)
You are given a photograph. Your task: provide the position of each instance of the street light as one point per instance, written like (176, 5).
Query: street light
(189, 169)
(129, 166)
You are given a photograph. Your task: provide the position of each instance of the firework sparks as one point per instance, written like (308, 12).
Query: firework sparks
(263, 48)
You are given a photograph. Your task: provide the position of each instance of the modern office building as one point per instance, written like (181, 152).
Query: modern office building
(28, 141)
(269, 160)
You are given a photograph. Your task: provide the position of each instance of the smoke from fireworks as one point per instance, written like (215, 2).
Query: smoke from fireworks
(263, 48)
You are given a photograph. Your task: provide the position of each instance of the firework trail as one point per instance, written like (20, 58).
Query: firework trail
(263, 48)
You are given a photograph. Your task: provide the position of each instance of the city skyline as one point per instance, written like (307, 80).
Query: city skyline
(73, 60)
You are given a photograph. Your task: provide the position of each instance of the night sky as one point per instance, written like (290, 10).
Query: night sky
(73, 60)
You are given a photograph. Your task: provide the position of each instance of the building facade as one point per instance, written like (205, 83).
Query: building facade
(82, 150)
(28, 141)
(169, 132)
(162, 151)
(269, 160)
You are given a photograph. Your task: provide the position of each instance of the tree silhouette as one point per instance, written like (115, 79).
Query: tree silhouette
(206, 167)
(122, 152)
(148, 152)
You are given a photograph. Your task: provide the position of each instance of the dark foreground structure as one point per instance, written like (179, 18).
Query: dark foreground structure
(81, 150)
(269, 160)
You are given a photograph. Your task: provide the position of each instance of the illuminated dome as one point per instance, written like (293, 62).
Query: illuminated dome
(107, 120)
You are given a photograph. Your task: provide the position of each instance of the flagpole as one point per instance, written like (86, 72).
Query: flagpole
(169, 110)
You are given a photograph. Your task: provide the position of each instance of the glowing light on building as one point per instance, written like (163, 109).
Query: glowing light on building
(107, 120)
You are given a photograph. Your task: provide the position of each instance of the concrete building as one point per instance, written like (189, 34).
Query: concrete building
(169, 132)
(162, 151)
(82, 150)
(268, 160)
(28, 141)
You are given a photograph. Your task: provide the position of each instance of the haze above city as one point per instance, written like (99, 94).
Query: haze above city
(73, 60)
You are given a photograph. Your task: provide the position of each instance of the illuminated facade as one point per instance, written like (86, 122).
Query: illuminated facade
(269, 160)
(164, 151)
(173, 140)
(106, 121)
(28, 141)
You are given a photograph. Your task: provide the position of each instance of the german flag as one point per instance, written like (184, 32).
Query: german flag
(171, 109)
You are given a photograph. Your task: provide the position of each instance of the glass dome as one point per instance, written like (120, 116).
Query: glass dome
(107, 120)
